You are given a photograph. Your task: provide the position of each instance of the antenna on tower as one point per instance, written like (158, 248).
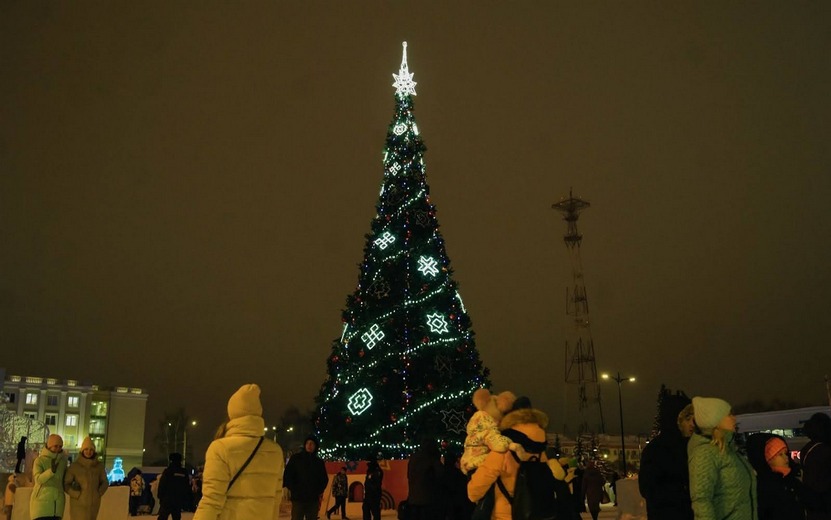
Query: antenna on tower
(581, 369)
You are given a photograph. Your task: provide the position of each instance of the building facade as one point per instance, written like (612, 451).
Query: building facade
(113, 417)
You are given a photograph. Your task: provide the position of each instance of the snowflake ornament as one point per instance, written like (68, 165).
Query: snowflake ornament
(427, 266)
(437, 323)
(373, 336)
(454, 420)
(443, 366)
(379, 289)
(386, 239)
(360, 401)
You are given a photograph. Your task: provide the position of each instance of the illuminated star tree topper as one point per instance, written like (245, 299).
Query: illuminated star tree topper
(404, 84)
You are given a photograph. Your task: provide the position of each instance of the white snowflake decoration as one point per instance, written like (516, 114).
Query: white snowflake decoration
(399, 129)
(372, 336)
(437, 323)
(404, 83)
(360, 401)
(386, 239)
(394, 168)
(427, 266)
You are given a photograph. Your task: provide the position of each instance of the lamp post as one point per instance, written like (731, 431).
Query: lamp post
(618, 379)
(175, 437)
(185, 444)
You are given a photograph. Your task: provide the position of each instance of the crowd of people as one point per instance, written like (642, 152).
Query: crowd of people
(693, 469)
(696, 471)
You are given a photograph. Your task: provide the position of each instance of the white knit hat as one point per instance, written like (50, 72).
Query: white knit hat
(709, 411)
(245, 401)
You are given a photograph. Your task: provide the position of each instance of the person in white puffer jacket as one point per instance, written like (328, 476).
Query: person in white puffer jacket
(258, 488)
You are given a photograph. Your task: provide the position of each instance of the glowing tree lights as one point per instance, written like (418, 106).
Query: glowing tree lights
(406, 363)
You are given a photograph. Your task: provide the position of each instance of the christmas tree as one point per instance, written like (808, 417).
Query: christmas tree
(406, 364)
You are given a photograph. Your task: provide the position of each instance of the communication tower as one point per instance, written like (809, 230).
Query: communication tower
(581, 369)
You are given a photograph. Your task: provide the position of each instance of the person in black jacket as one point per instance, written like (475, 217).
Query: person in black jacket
(306, 478)
(816, 467)
(424, 476)
(373, 485)
(778, 489)
(21, 456)
(174, 489)
(664, 479)
(454, 491)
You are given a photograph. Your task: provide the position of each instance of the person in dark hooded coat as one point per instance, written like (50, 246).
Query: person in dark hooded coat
(664, 479)
(816, 467)
(779, 491)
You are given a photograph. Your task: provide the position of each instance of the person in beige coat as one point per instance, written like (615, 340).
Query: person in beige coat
(85, 482)
(529, 422)
(258, 489)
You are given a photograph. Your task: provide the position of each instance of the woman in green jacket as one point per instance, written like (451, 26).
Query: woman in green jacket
(722, 482)
(85, 483)
(47, 500)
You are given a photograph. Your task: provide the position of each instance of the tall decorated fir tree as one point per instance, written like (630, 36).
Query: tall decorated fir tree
(406, 364)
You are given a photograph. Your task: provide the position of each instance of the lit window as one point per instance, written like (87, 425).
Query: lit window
(31, 398)
(97, 426)
(99, 409)
(51, 400)
(51, 419)
(11, 396)
(72, 401)
(31, 415)
(72, 420)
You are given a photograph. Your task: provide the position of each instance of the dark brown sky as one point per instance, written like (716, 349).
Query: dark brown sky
(185, 189)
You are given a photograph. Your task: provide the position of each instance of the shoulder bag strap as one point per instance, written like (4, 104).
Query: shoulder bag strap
(809, 452)
(257, 447)
(504, 490)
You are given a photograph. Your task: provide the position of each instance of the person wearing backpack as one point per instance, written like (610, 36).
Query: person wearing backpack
(525, 427)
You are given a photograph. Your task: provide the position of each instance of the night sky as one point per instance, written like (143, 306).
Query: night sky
(185, 189)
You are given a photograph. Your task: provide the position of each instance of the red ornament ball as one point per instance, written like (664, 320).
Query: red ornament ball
(444, 445)
(361, 353)
(348, 420)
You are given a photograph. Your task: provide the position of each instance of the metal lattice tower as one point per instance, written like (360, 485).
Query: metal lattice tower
(581, 369)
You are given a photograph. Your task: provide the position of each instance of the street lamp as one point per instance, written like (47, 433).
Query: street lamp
(185, 445)
(618, 379)
(175, 437)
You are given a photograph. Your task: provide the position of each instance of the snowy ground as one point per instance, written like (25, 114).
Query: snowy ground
(607, 512)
